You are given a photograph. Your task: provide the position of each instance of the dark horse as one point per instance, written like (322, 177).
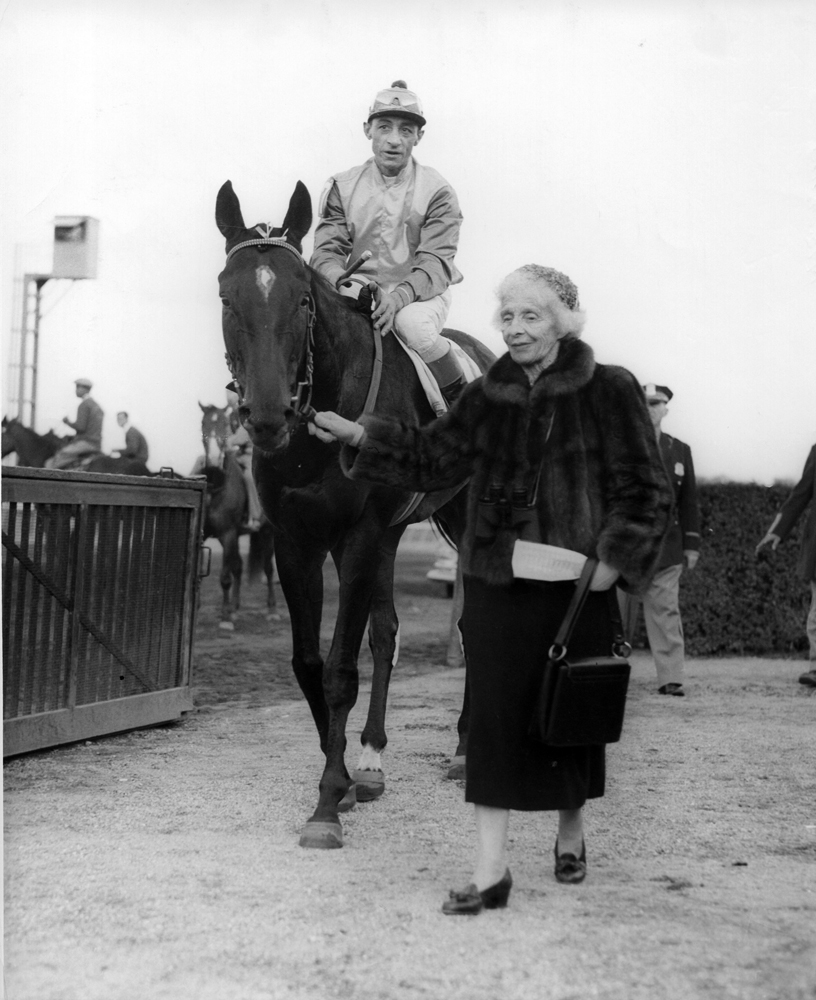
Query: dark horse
(225, 517)
(34, 450)
(290, 335)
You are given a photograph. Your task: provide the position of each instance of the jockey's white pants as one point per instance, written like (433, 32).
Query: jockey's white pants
(420, 326)
(69, 453)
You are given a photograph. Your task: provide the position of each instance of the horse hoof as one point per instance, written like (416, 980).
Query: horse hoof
(370, 785)
(322, 836)
(349, 800)
(456, 771)
(227, 626)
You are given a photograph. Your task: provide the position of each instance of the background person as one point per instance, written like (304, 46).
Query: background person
(801, 495)
(239, 445)
(555, 446)
(407, 216)
(135, 441)
(681, 548)
(88, 427)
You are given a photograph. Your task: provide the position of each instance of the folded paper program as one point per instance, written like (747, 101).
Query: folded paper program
(534, 561)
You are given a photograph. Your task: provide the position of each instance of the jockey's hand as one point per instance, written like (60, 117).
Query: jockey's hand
(365, 300)
(387, 307)
(328, 427)
(603, 577)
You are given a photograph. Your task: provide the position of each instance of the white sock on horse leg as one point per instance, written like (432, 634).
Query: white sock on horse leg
(370, 760)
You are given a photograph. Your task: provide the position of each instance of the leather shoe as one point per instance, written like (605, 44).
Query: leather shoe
(675, 689)
(469, 901)
(569, 869)
(809, 678)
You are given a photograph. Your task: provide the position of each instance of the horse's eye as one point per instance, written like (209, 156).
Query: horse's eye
(304, 301)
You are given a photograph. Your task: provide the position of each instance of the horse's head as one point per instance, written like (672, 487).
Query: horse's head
(268, 315)
(214, 429)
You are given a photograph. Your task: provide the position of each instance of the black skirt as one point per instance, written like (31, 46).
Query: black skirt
(507, 632)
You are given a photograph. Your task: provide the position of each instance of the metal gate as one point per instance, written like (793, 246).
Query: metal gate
(100, 580)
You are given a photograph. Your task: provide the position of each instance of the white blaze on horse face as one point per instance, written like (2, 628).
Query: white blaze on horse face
(265, 279)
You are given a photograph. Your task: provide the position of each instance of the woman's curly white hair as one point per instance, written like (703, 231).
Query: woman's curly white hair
(555, 292)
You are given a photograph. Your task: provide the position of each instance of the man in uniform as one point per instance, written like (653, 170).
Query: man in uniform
(802, 494)
(681, 547)
(135, 442)
(407, 217)
(88, 427)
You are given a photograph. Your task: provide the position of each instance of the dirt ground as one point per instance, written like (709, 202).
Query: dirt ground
(164, 863)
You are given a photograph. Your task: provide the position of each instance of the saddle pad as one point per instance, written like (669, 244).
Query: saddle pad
(429, 383)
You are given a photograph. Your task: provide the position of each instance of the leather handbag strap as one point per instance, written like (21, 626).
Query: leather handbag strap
(574, 609)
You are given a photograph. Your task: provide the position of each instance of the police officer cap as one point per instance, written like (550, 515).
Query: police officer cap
(84, 381)
(661, 392)
(397, 100)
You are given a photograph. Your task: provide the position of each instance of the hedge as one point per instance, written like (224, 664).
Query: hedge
(735, 603)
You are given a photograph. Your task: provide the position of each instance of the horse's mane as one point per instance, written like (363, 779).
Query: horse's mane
(330, 300)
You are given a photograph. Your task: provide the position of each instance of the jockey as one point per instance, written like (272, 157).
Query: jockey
(88, 427)
(407, 216)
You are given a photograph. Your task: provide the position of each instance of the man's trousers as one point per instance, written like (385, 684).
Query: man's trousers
(661, 613)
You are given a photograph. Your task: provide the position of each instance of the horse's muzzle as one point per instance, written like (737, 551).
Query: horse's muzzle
(269, 438)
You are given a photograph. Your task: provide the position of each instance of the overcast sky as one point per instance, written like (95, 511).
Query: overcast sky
(661, 154)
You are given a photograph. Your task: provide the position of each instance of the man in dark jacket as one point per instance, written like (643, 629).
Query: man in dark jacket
(802, 494)
(88, 427)
(681, 547)
(135, 442)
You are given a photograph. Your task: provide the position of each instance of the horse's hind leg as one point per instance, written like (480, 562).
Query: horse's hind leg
(383, 639)
(272, 613)
(457, 764)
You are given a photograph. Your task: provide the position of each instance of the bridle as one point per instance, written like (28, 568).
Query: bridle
(301, 400)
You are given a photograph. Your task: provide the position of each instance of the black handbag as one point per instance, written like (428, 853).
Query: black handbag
(581, 701)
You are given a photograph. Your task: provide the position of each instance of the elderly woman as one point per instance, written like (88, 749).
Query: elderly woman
(568, 444)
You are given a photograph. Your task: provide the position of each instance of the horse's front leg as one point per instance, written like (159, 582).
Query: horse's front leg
(383, 640)
(301, 579)
(357, 569)
(231, 570)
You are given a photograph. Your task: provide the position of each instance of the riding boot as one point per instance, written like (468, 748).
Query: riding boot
(452, 390)
(449, 376)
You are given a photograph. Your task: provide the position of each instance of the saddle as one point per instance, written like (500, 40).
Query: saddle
(429, 384)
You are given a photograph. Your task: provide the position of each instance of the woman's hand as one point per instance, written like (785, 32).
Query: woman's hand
(604, 577)
(329, 426)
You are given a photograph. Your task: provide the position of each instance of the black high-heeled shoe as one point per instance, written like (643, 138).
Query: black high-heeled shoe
(469, 901)
(568, 868)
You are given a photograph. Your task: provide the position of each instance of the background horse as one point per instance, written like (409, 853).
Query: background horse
(225, 517)
(34, 450)
(292, 340)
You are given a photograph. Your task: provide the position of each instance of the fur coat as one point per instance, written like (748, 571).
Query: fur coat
(579, 442)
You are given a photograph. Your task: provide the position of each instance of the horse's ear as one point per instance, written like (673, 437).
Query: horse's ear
(298, 219)
(228, 215)
(203, 407)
